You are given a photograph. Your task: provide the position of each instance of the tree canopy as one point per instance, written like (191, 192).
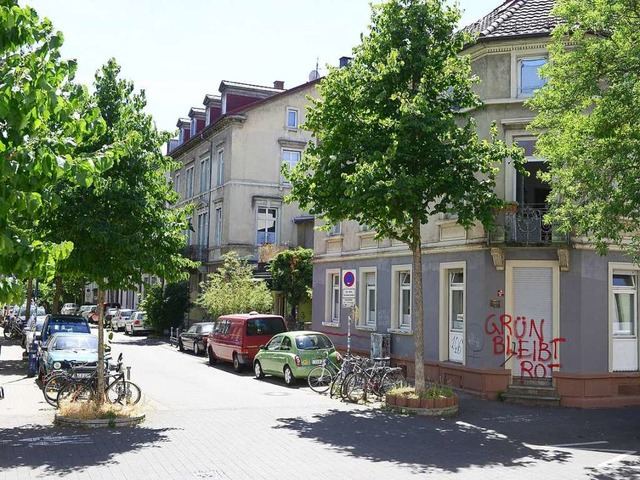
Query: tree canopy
(233, 289)
(589, 122)
(292, 274)
(43, 115)
(393, 144)
(166, 305)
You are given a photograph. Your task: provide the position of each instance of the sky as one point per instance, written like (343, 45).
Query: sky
(180, 51)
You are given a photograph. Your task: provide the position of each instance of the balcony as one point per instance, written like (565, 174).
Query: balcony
(197, 253)
(525, 227)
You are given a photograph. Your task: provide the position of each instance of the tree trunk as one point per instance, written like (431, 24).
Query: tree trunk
(418, 306)
(100, 392)
(55, 308)
(27, 313)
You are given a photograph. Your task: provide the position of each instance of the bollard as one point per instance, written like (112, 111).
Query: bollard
(128, 373)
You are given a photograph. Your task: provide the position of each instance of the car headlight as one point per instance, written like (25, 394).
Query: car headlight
(57, 365)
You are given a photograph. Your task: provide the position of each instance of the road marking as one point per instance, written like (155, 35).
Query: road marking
(617, 459)
(578, 444)
(49, 441)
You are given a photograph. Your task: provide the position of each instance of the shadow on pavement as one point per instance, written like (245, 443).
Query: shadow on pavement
(60, 451)
(482, 434)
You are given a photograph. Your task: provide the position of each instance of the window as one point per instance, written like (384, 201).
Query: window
(177, 183)
(189, 231)
(267, 222)
(290, 158)
(625, 298)
(401, 299)
(203, 229)
(336, 229)
(205, 174)
(368, 297)
(405, 300)
(530, 190)
(220, 169)
(189, 184)
(528, 75)
(335, 298)
(456, 300)
(292, 118)
(218, 237)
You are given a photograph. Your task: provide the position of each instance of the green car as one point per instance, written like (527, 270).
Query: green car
(292, 355)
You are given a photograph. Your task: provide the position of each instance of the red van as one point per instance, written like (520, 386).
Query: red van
(237, 338)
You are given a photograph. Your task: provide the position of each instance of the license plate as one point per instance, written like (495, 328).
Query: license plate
(317, 361)
(83, 375)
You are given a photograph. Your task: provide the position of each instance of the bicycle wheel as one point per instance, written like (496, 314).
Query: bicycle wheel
(393, 379)
(75, 392)
(52, 386)
(355, 387)
(319, 379)
(123, 392)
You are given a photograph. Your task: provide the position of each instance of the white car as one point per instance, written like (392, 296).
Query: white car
(69, 309)
(85, 310)
(119, 319)
(137, 324)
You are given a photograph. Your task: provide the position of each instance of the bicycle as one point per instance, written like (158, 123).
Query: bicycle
(13, 329)
(321, 377)
(56, 379)
(376, 379)
(117, 388)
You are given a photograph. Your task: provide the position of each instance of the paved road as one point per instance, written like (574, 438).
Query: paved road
(210, 423)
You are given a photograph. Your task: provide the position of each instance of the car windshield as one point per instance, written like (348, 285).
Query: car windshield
(205, 328)
(34, 311)
(313, 341)
(80, 342)
(265, 326)
(69, 327)
(126, 313)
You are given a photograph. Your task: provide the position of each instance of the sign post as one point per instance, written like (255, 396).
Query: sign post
(349, 300)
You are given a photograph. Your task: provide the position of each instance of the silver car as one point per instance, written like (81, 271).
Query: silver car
(119, 319)
(136, 323)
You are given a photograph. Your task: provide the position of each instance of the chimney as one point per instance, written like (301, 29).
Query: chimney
(279, 84)
(344, 61)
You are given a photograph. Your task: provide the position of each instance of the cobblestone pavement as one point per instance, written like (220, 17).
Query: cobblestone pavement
(210, 423)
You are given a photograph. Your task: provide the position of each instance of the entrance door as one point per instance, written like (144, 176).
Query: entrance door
(531, 320)
(456, 316)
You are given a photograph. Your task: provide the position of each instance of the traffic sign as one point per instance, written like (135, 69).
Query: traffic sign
(348, 302)
(348, 279)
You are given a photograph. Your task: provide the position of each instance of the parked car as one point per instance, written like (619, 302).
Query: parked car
(33, 326)
(69, 309)
(34, 311)
(292, 355)
(196, 337)
(55, 323)
(136, 323)
(119, 319)
(108, 316)
(237, 338)
(66, 347)
(84, 310)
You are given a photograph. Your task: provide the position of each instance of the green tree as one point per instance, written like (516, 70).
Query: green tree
(233, 289)
(292, 274)
(589, 122)
(43, 115)
(122, 225)
(166, 305)
(393, 145)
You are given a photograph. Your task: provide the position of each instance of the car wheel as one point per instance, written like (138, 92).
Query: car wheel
(212, 357)
(257, 370)
(132, 333)
(237, 366)
(180, 346)
(289, 379)
(196, 349)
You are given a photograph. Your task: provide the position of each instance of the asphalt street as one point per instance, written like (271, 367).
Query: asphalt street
(210, 423)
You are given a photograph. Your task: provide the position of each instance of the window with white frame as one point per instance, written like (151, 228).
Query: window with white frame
(292, 117)
(189, 231)
(267, 225)
(336, 229)
(530, 190)
(188, 193)
(218, 234)
(529, 78)
(205, 173)
(401, 298)
(368, 297)
(456, 300)
(203, 228)
(220, 167)
(290, 159)
(625, 300)
(333, 297)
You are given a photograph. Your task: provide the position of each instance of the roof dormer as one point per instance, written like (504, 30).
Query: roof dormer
(184, 124)
(213, 108)
(196, 115)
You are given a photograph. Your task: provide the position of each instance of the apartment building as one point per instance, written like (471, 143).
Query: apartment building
(519, 310)
(231, 151)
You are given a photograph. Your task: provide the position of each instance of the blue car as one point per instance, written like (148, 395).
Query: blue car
(65, 347)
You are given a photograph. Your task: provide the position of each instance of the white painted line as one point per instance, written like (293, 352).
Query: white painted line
(617, 459)
(578, 444)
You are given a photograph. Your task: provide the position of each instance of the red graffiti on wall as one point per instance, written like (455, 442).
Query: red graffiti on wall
(523, 338)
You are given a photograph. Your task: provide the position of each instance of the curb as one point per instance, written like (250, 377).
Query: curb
(100, 422)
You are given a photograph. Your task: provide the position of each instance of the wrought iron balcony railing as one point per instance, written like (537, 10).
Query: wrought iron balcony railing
(525, 226)
(198, 253)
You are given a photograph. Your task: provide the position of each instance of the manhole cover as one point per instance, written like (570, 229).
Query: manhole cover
(277, 394)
